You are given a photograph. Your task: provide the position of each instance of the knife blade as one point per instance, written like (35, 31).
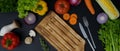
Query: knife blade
(85, 35)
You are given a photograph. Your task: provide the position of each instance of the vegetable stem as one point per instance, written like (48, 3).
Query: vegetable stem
(40, 7)
(112, 41)
(8, 42)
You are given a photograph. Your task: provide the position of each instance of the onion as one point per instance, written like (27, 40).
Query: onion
(30, 19)
(102, 18)
(74, 2)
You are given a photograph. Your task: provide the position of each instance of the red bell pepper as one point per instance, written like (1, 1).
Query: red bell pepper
(10, 41)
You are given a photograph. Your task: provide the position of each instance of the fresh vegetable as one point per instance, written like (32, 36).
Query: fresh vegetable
(7, 28)
(109, 8)
(10, 41)
(62, 6)
(30, 18)
(74, 15)
(32, 33)
(66, 16)
(90, 6)
(28, 40)
(73, 19)
(102, 18)
(74, 2)
(24, 6)
(44, 45)
(109, 34)
(8, 6)
(41, 8)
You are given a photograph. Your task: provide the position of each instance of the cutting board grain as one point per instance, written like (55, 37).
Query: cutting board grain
(59, 34)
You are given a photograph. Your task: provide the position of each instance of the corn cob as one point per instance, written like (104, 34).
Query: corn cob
(109, 8)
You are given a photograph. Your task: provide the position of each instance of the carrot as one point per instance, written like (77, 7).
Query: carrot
(73, 21)
(89, 6)
(72, 18)
(74, 15)
(66, 16)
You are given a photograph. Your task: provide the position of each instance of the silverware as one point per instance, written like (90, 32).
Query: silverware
(85, 35)
(87, 25)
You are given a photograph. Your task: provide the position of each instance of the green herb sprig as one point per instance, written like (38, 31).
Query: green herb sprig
(44, 45)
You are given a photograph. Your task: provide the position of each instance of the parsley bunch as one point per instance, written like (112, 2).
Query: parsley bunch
(109, 34)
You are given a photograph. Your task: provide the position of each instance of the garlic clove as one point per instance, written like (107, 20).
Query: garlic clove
(32, 33)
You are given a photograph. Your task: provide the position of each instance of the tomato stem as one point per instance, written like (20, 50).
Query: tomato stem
(62, 5)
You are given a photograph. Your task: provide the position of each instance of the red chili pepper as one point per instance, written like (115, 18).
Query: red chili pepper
(10, 41)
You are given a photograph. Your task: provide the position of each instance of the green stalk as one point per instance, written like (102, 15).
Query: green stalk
(8, 42)
(113, 44)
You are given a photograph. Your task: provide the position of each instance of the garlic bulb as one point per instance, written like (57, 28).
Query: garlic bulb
(7, 28)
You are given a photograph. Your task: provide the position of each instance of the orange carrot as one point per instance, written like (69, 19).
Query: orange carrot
(66, 16)
(89, 6)
(73, 21)
(74, 15)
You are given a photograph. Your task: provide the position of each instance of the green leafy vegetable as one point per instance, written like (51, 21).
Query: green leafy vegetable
(109, 34)
(8, 5)
(44, 45)
(24, 6)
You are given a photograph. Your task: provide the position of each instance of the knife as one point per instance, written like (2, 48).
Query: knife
(85, 35)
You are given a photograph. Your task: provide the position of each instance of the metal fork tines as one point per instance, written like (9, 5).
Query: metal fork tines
(87, 25)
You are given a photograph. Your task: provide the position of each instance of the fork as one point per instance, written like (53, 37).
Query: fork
(87, 25)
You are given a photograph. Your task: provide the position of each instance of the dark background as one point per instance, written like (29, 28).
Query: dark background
(81, 10)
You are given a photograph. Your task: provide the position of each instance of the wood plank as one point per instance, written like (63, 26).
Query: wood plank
(52, 33)
(70, 29)
(73, 41)
(64, 38)
(66, 31)
(41, 30)
(59, 34)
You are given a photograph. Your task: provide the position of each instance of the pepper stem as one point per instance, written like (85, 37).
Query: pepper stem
(8, 42)
(40, 7)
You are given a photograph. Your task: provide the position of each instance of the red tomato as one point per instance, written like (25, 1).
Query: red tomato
(10, 41)
(62, 6)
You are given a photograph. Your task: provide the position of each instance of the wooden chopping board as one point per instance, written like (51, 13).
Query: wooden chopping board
(59, 34)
